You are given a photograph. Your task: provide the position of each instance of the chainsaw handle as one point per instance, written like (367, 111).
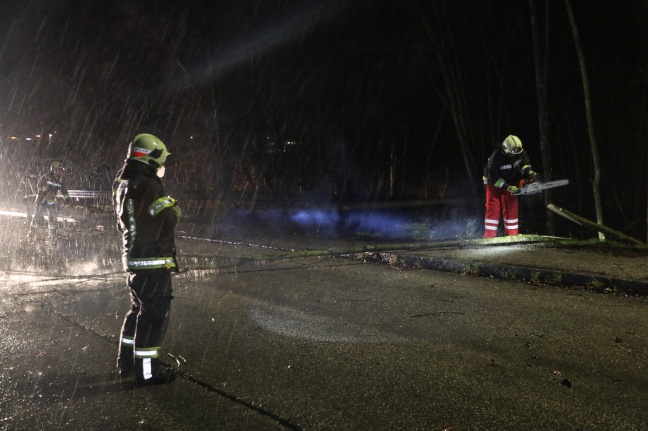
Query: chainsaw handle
(527, 181)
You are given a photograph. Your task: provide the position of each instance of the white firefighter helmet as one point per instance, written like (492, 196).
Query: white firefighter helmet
(512, 145)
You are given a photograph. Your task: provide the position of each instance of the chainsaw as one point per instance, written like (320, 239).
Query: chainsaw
(533, 188)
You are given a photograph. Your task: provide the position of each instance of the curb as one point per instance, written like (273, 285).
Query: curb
(552, 277)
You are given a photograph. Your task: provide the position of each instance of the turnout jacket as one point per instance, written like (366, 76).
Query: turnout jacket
(48, 186)
(146, 218)
(503, 171)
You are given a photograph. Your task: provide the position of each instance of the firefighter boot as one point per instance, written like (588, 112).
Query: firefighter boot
(125, 362)
(149, 371)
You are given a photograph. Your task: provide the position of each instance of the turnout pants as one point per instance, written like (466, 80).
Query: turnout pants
(38, 217)
(500, 202)
(146, 322)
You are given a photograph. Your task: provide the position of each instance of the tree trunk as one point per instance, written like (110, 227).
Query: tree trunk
(596, 226)
(455, 98)
(543, 109)
(590, 121)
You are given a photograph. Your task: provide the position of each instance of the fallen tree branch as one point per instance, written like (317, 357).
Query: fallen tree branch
(594, 226)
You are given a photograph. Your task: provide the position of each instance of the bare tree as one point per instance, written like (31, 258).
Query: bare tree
(448, 61)
(589, 117)
(541, 89)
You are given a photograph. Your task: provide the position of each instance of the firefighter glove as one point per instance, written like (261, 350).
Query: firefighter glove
(513, 190)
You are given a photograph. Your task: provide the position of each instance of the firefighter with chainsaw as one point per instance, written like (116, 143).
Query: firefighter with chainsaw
(146, 218)
(506, 167)
(48, 188)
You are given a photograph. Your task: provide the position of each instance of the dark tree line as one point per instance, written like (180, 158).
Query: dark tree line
(359, 100)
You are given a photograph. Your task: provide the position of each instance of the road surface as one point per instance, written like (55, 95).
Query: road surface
(320, 343)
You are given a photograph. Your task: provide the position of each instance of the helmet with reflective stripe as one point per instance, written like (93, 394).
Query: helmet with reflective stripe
(512, 145)
(148, 149)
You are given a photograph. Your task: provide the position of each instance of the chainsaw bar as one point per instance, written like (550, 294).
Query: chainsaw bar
(538, 187)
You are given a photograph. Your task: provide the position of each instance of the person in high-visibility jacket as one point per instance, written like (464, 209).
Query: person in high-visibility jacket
(505, 168)
(49, 186)
(146, 217)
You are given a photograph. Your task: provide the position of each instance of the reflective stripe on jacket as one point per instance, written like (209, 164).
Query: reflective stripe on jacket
(149, 263)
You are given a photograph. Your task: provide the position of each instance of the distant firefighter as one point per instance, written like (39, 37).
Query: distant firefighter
(146, 217)
(47, 189)
(506, 167)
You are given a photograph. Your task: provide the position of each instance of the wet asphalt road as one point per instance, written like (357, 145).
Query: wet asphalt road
(325, 343)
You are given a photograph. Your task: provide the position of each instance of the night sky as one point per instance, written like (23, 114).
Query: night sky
(366, 90)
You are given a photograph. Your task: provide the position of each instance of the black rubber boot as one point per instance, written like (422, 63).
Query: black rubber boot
(150, 372)
(126, 363)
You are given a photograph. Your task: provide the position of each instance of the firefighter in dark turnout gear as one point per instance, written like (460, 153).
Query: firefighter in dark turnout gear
(47, 189)
(146, 218)
(506, 167)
